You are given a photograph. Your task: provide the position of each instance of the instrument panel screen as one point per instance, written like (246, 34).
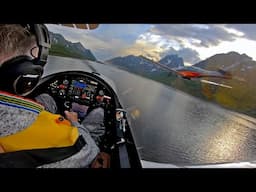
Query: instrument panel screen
(78, 84)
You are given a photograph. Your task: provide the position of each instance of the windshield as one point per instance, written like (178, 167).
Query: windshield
(189, 89)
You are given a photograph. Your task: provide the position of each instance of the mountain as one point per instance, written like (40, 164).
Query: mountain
(227, 61)
(140, 65)
(135, 64)
(239, 65)
(62, 47)
(172, 61)
(241, 97)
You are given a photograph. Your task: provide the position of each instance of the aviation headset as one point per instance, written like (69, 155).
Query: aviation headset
(21, 74)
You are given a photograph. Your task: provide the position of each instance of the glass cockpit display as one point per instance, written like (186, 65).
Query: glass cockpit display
(79, 92)
(76, 89)
(82, 90)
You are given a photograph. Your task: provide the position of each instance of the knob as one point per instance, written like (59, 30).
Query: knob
(65, 82)
(62, 92)
(67, 104)
(101, 92)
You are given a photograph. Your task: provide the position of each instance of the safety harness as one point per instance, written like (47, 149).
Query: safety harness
(48, 139)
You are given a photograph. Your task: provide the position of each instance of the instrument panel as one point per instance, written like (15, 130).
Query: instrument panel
(73, 89)
(79, 93)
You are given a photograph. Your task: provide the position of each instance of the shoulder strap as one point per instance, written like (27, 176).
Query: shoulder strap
(36, 157)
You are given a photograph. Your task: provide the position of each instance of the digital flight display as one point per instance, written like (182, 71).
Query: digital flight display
(78, 84)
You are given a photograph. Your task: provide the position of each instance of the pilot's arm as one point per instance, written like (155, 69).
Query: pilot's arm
(47, 101)
(102, 160)
(86, 155)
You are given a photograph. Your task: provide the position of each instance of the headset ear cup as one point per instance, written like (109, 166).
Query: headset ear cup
(24, 84)
(36, 70)
(28, 80)
(20, 75)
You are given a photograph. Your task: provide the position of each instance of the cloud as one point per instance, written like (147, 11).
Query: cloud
(107, 41)
(146, 45)
(248, 30)
(156, 47)
(189, 55)
(200, 35)
(186, 40)
(126, 32)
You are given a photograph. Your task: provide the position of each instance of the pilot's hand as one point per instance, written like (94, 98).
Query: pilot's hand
(1, 149)
(71, 116)
(102, 160)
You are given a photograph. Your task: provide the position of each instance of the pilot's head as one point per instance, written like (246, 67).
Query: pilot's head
(19, 71)
(16, 40)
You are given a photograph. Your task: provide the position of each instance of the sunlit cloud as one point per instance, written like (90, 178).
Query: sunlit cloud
(156, 47)
(142, 47)
(152, 46)
(192, 42)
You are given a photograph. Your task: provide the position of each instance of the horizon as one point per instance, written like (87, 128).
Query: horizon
(182, 57)
(192, 42)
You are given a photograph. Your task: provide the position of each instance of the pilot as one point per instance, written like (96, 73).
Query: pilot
(31, 135)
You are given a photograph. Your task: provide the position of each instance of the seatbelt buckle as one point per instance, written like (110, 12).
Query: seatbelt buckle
(121, 118)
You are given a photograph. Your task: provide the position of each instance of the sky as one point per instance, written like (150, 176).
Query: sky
(192, 42)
